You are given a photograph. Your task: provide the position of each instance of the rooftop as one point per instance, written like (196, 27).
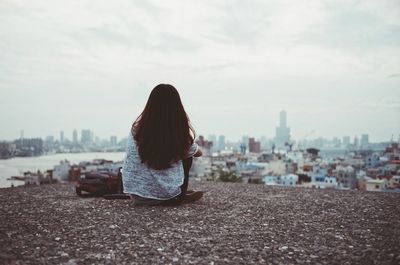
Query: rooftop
(232, 224)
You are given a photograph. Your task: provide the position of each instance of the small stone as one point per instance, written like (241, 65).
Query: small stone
(71, 262)
(57, 239)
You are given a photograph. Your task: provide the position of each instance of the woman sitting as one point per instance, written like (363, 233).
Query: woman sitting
(160, 151)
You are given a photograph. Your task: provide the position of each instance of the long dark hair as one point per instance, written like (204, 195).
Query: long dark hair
(163, 132)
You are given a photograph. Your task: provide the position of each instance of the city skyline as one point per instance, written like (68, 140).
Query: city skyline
(333, 66)
(88, 136)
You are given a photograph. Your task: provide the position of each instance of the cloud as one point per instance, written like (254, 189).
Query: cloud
(393, 75)
(353, 26)
(237, 61)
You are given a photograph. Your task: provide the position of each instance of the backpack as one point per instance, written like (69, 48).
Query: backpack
(100, 183)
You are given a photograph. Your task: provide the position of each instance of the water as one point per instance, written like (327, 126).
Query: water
(16, 166)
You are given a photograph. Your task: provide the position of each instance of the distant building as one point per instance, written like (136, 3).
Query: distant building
(254, 146)
(270, 180)
(86, 137)
(346, 177)
(336, 142)
(289, 180)
(372, 161)
(212, 138)
(264, 142)
(29, 147)
(245, 142)
(201, 168)
(75, 136)
(221, 143)
(32, 179)
(7, 150)
(61, 171)
(346, 141)
(376, 185)
(321, 180)
(330, 182)
(364, 143)
(113, 140)
(356, 142)
(205, 145)
(49, 139)
(62, 137)
(282, 131)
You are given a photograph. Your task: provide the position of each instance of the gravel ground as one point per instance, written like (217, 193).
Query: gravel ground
(232, 224)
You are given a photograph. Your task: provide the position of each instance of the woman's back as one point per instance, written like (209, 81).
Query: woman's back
(161, 137)
(140, 179)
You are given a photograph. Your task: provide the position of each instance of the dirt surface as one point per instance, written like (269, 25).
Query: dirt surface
(232, 224)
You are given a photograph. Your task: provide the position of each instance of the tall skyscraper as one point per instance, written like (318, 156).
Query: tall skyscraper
(346, 141)
(364, 143)
(282, 132)
(356, 142)
(245, 141)
(62, 137)
(75, 136)
(113, 140)
(221, 142)
(86, 137)
(213, 139)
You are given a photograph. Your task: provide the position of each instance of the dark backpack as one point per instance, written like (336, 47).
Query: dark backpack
(100, 183)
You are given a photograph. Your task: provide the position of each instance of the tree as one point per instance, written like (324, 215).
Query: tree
(228, 175)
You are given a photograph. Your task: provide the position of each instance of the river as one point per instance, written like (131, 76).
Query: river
(17, 165)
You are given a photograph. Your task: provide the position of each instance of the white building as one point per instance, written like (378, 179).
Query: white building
(32, 179)
(289, 180)
(277, 167)
(318, 176)
(330, 183)
(346, 177)
(270, 180)
(376, 184)
(61, 171)
(201, 167)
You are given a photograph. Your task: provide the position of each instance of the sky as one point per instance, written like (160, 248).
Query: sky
(333, 66)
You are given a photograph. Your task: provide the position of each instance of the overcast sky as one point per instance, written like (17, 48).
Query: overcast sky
(334, 66)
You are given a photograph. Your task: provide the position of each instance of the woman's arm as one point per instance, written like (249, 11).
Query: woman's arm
(198, 153)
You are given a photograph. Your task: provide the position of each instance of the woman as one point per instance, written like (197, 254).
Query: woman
(160, 150)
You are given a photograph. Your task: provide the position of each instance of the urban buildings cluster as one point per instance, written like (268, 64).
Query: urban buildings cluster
(321, 163)
(343, 164)
(283, 140)
(87, 142)
(362, 169)
(65, 171)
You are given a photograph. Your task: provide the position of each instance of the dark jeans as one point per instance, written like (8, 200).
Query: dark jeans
(187, 164)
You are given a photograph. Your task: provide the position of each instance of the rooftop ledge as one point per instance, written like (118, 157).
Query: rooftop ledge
(232, 224)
